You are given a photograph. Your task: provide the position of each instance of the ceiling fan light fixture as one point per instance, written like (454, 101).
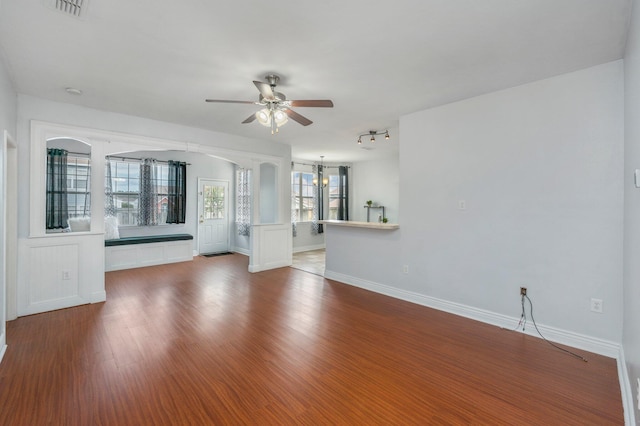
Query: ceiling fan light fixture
(264, 117)
(373, 138)
(280, 117)
(386, 135)
(359, 140)
(277, 109)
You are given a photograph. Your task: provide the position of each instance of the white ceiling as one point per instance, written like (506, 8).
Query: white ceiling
(376, 60)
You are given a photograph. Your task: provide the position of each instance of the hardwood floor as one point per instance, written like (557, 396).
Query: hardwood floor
(206, 342)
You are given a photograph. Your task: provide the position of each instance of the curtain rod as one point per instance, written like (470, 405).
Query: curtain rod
(324, 167)
(137, 159)
(81, 154)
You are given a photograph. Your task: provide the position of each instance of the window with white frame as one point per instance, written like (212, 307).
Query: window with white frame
(302, 196)
(78, 185)
(125, 184)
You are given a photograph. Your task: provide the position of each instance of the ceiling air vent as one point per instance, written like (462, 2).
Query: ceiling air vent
(70, 7)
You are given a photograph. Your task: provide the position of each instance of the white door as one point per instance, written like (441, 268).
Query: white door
(213, 216)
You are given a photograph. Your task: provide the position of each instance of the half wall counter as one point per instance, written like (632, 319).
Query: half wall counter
(361, 253)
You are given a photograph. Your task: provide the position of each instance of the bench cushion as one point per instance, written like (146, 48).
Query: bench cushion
(147, 239)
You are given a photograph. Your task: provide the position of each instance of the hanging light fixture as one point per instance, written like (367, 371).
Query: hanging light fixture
(325, 181)
(272, 117)
(373, 134)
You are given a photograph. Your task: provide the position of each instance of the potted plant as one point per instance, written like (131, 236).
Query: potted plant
(369, 203)
(385, 220)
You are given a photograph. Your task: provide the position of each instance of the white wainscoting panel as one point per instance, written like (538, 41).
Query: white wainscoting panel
(60, 271)
(270, 247)
(54, 273)
(139, 255)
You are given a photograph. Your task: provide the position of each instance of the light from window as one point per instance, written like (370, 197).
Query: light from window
(302, 196)
(334, 196)
(78, 186)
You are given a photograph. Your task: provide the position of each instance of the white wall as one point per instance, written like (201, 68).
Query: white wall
(268, 194)
(378, 181)
(631, 333)
(8, 102)
(539, 168)
(8, 112)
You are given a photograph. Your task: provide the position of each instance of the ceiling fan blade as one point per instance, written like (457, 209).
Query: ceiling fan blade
(318, 103)
(229, 102)
(297, 117)
(249, 119)
(265, 90)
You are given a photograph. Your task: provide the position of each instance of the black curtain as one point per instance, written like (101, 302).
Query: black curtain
(177, 191)
(343, 194)
(57, 211)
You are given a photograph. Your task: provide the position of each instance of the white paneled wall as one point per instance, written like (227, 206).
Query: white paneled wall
(60, 271)
(270, 247)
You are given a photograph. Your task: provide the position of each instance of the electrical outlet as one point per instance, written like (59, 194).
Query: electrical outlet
(66, 275)
(462, 205)
(596, 305)
(523, 291)
(405, 269)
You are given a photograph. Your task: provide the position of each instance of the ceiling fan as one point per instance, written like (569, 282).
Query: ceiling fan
(277, 109)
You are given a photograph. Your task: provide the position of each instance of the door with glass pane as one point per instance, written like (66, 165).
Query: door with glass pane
(213, 216)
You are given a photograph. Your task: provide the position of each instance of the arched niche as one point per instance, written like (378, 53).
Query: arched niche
(268, 193)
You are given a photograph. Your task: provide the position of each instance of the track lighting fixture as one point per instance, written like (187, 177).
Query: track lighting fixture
(373, 134)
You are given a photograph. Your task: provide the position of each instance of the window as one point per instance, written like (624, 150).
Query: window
(302, 196)
(213, 202)
(243, 202)
(125, 186)
(334, 196)
(78, 186)
(68, 189)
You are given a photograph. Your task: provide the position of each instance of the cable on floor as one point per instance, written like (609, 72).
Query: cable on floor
(523, 321)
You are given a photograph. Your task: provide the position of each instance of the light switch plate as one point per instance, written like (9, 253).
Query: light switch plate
(636, 179)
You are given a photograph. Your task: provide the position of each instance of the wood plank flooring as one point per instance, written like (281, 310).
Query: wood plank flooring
(207, 343)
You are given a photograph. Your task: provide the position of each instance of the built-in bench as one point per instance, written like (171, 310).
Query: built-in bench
(135, 252)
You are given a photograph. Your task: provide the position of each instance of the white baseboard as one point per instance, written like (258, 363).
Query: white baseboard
(308, 248)
(3, 345)
(268, 266)
(239, 250)
(98, 296)
(564, 337)
(625, 390)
